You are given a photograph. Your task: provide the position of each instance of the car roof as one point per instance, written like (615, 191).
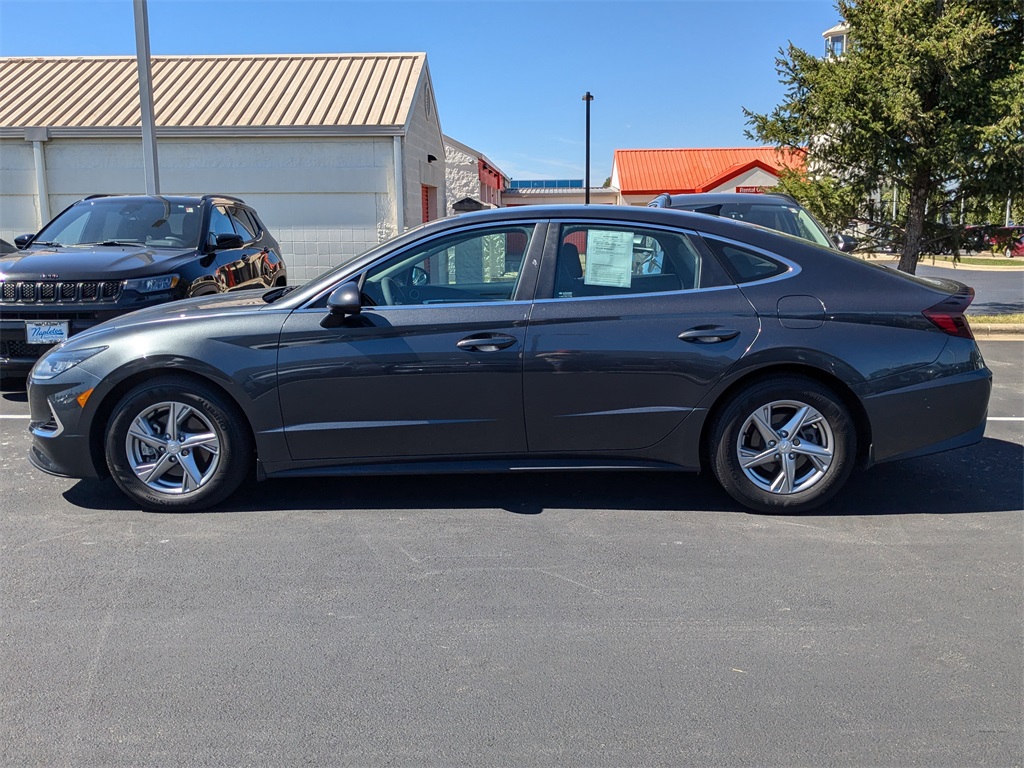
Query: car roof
(631, 214)
(720, 198)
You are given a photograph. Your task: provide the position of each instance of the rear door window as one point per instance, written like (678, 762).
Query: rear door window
(607, 260)
(743, 264)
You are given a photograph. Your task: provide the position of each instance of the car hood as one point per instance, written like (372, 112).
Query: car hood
(217, 305)
(89, 262)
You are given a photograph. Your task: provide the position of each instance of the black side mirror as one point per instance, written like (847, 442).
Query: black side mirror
(343, 301)
(22, 240)
(844, 243)
(225, 241)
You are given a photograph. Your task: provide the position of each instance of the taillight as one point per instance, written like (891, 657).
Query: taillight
(948, 314)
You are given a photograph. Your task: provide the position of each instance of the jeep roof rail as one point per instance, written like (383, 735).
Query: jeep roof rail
(224, 197)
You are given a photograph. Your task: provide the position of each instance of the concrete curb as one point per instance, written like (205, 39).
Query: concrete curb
(996, 329)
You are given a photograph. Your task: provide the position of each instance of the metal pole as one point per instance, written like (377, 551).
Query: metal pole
(146, 98)
(586, 184)
(38, 137)
(399, 184)
(44, 194)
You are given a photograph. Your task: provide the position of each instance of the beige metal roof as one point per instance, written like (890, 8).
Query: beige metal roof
(336, 93)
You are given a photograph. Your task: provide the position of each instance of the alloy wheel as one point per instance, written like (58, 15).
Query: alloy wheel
(785, 447)
(173, 448)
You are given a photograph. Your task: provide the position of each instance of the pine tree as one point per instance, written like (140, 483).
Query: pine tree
(927, 98)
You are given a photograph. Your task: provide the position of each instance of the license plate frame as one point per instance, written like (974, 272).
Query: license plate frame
(46, 331)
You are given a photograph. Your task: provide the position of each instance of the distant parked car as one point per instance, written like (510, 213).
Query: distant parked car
(1015, 248)
(770, 209)
(108, 255)
(6, 247)
(1008, 240)
(536, 338)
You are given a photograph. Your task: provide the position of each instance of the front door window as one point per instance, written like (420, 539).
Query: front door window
(475, 267)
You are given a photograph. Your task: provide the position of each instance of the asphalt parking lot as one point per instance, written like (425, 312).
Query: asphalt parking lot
(619, 619)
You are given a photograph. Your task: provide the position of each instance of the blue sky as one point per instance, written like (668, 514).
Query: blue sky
(509, 75)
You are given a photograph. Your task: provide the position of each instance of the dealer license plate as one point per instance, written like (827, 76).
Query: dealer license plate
(46, 331)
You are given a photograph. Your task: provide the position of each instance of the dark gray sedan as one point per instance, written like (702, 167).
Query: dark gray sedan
(536, 338)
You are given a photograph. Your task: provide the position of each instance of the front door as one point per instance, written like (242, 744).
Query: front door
(432, 366)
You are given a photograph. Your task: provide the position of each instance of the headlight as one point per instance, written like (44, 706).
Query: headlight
(59, 360)
(151, 284)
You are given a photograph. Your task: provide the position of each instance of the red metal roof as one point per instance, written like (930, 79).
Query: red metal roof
(652, 171)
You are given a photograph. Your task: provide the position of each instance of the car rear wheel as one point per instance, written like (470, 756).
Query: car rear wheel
(177, 444)
(783, 446)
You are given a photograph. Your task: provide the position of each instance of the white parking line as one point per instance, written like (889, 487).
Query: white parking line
(4, 416)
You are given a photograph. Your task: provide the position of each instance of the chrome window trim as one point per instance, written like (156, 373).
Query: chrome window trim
(358, 273)
(435, 305)
(634, 296)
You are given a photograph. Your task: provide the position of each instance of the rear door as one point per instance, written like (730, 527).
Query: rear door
(635, 328)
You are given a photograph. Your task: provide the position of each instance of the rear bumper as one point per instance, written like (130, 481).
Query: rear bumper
(930, 417)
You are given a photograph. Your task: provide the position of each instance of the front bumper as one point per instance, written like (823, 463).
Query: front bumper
(60, 426)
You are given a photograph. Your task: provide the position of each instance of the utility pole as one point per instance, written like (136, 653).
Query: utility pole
(586, 184)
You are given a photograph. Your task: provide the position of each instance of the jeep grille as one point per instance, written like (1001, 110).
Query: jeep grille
(27, 292)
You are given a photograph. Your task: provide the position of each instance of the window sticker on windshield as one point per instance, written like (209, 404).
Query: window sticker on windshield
(609, 258)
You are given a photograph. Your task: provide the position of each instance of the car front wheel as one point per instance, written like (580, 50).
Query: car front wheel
(783, 446)
(177, 444)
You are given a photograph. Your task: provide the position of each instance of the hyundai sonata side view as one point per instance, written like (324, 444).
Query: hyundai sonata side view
(535, 338)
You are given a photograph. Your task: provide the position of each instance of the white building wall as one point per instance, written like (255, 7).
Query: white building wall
(423, 138)
(462, 176)
(324, 200)
(19, 212)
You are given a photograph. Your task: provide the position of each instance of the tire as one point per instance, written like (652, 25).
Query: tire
(770, 469)
(191, 467)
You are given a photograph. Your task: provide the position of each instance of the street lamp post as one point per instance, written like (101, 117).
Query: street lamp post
(586, 184)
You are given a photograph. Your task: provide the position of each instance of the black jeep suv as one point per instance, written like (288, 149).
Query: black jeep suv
(108, 255)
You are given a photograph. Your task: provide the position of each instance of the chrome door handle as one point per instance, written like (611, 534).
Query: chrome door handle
(486, 342)
(708, 335)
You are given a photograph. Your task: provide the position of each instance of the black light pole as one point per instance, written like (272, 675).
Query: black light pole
(588, 98)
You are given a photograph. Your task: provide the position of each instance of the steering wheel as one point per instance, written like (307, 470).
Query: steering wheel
(393, 292)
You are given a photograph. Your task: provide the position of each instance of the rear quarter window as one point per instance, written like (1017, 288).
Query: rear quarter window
(743, 264)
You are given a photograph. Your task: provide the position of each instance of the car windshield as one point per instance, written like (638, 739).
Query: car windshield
(791, 219)
(151, 223)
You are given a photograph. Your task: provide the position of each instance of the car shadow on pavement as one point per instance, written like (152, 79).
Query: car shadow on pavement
(987, 477)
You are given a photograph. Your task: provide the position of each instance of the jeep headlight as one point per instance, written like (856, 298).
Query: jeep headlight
(58, 360)
(156, 284)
